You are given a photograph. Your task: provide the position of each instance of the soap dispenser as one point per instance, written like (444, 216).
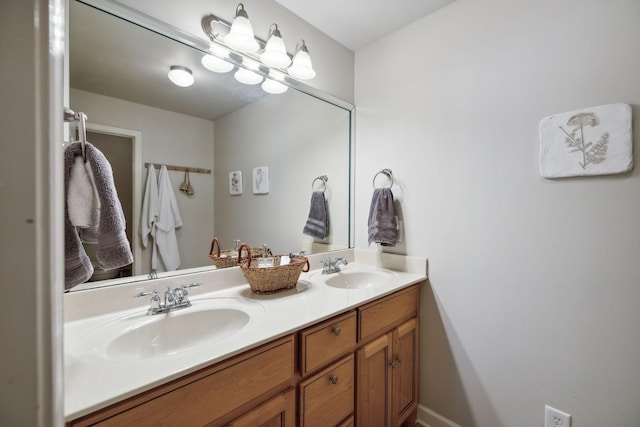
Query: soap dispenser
(265, 260)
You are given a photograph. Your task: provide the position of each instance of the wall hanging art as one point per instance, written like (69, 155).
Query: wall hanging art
(235, 183)
(261, 180)
(591, 141)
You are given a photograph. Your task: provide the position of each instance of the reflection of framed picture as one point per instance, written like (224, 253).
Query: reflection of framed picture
(261, 180)
(235, 183)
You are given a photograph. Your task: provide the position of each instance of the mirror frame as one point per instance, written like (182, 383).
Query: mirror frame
(147, 22)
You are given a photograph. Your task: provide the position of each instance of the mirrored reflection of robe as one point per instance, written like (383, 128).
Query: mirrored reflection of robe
(166, 256)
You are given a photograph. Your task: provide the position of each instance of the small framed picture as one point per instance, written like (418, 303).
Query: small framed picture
(235, 183)
(261, 180)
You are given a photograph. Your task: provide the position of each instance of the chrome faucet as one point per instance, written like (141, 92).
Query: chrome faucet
(330, 266)
(174, 299)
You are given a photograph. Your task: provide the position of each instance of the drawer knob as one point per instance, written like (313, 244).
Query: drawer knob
(336, 330)
(334, 379)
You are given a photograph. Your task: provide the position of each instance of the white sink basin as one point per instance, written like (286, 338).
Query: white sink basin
(358, 279)
(138, 336)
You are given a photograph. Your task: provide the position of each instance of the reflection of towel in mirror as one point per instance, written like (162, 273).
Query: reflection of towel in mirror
(166, 256)
(149, 207)
(114, 250)
(382, 218)
(83, 202)
(317, 225)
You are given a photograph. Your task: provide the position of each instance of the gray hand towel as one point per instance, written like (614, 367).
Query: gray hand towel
(114, 250)
(317, 225)
(382, 218)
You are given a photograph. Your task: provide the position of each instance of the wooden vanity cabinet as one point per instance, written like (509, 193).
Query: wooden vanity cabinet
(212, 396)
(359, 368)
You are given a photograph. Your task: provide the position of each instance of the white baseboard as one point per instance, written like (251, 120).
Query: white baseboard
(429, 418)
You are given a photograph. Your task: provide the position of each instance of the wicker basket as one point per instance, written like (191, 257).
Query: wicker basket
(268, 280)
(224, 258)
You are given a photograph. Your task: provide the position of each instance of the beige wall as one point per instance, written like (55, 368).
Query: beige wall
(534, 283)
(167, 138)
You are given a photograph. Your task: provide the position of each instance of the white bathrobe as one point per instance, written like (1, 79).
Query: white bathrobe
(166, 256)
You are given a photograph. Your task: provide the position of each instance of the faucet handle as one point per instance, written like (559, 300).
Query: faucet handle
(145, 294)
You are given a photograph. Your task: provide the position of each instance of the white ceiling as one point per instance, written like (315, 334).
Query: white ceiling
(357, 23)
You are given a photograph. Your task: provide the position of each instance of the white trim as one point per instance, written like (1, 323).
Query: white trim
(430, 418)
(136, 194)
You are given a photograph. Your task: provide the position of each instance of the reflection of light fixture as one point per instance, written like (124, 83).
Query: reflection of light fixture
(240, 36)
(275, 53)
(247, 77)
(181, 76)
(301, 67)
(218, 65)
(274, 87)
(272, 53)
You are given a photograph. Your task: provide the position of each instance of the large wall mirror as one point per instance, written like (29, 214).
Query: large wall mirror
(118, 65)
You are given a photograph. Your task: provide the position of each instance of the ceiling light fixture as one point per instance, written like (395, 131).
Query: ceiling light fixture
(181, 76)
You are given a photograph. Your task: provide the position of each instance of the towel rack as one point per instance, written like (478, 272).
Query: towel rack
(388, 173)
(81, 118)
(181, 168)
(324, 179)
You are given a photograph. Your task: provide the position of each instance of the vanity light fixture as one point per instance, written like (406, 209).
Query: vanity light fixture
(181, 76)
(275, 53)
(301, 67)
(271, 54)
(241, 36)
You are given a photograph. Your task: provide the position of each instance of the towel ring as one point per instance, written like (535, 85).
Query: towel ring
(324, 179)
(387, 173)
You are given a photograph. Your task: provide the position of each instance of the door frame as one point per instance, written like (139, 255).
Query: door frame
(136, 193)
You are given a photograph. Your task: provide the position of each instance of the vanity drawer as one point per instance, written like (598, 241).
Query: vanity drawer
(212, 393)
(380, 316)
(327, 398)
(326, 341)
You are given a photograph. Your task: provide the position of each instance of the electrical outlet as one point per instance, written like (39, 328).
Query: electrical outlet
(556, 418)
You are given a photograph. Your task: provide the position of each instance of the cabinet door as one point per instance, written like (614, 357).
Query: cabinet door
(404, 370)
(373, 392)
(276, 412)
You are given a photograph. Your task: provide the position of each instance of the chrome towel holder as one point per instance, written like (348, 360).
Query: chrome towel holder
(388, 173)
(324, 179)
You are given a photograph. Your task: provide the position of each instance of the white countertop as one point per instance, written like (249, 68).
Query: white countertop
(92, 381)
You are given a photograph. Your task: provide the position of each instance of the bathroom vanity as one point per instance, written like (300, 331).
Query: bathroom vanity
(339, 350)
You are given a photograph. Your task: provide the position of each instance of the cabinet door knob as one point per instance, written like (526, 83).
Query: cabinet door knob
(334, 379)
(336, 330)
(392, 363)
(399, 358)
